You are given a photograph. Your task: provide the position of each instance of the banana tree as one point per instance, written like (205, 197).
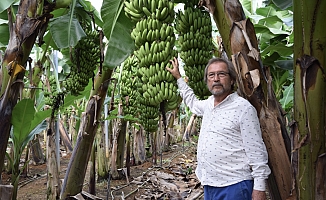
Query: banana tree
(117, 29)
(309, 143)
(27, 122)
(31, 23)
(25, 26)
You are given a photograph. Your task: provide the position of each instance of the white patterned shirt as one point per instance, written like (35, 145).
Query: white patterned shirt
(230, 145)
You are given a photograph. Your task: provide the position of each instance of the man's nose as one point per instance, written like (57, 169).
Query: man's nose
(216, 77)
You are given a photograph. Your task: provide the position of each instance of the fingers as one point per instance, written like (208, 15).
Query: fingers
(169, 69)
(174, 62)
(175, 70)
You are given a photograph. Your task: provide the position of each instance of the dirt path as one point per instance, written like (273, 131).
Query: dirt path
(174, 178)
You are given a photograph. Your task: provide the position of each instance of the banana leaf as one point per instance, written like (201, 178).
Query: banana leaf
(26, 121)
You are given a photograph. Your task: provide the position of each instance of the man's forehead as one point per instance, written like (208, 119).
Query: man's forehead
(217, 65)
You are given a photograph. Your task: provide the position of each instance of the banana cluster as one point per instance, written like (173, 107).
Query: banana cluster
(150, 31)
(53, 96)
(128, 76)
(51, 91)
(131, 90)
(128, 86)
(161, 10)
(154, 41)
(84, 60)
(149, 117)
(194, 27)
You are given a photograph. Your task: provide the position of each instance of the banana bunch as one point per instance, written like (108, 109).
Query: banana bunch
(130, 104)
(154, 41)
(195, 56)
(194, 19)
(128, 76)
(155, 73)
(194, 40)
(51, 91)
(148, 115)
(194, 27)
(128, 86)
(53, 96)
(152, 30)
(161, 10)
(164, 91)
(200, 87)
(84, 60)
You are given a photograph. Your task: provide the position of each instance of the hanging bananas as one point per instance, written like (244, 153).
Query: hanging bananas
(85, 58)
(194, 27)
(51, 91)
(128, 86)
(154, 41)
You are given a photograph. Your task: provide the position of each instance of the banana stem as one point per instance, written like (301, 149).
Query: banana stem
(55, 73)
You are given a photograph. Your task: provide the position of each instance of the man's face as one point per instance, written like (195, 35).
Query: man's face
(218, 79)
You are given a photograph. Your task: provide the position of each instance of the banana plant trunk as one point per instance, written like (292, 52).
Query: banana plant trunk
(254, 84)
(139, 151)
(37, 151)
(92, 171)
(114, 153)
(76, 171)
(118, 148)
(122, 144)
(128, 138)
(102, 160)
(23, 33)
(65, 137)
(309, 99)
(53, 181)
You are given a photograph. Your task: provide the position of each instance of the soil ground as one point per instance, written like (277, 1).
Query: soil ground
(171, 178)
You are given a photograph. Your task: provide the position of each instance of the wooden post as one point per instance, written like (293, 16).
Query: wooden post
(6, 191)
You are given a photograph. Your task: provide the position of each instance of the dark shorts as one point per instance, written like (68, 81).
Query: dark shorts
(238, 191)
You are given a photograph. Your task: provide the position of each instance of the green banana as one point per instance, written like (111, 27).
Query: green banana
(154, 5)
(164, 13)
(146, 11)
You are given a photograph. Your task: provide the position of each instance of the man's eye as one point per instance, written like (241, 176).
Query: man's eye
(221, 74)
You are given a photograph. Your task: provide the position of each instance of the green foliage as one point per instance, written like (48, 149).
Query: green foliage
(64, 30)
(283, 4)
(4, 27)
(287, 99)
(24, 119)
(59, 33)
(89, 8)
(71, 99)
(26, 123)
(4, 30)
(4, 4)
(274, 30)
(117, 29)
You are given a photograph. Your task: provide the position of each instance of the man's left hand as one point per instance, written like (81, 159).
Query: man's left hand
(258, 195)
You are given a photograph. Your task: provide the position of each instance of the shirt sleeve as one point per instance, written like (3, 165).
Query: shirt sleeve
(255, 147)
(195, 105)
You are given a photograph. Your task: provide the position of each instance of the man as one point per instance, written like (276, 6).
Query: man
(232, 157)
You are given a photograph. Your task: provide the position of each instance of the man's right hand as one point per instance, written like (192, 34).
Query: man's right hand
(175, 71)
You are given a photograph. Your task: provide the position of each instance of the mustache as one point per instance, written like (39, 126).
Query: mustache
(217, 84)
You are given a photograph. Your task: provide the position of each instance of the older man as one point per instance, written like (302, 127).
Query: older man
(231, 154)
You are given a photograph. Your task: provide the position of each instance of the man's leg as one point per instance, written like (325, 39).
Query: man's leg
(238, 191)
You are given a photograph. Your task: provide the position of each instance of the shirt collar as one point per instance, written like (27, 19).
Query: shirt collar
(230, 98)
